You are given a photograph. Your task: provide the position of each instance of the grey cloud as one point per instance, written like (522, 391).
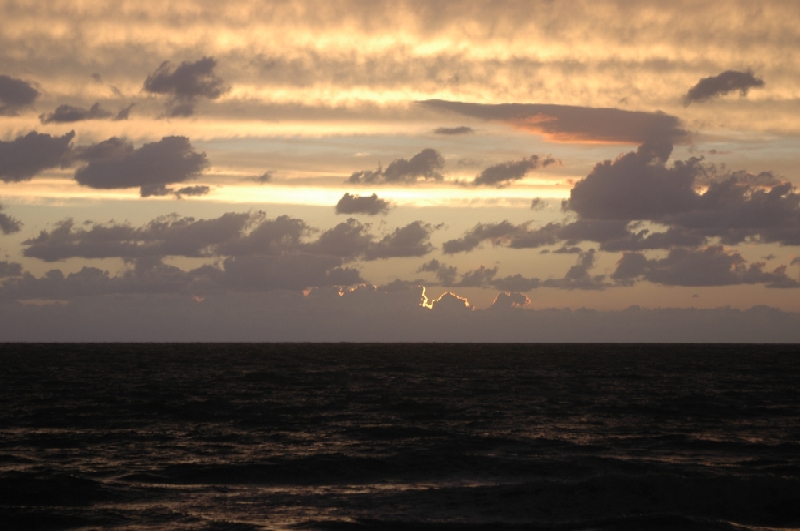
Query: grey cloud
(25, 156)
(346, 240)
(568, 250)
(477, 278)
(186, 84)
(795, 261)
(15, 94)
(504, 173)
(10, 269)
(537, 203)
(578, 276)
(164, 236)
(263, 178)
(509, 300)
(368, 205)
(8, 224)
(68, 113)
(712, 266)
(192, 191)
(446, 275)
(494, 232)
(411, 240)
(115, 164)
(461, 130)
(719, 85)
(577, 124)
(425, 165)
(124, 113)
(289, 271)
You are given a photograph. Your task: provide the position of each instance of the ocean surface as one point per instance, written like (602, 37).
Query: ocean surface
(426, 436)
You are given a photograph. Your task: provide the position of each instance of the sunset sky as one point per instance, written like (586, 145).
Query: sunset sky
(312, 163)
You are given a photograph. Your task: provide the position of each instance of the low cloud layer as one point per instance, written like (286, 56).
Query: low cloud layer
(461, 130)
(724, 83)
(116, 164)
(26, 156)
(15, 94)
(425, 165)
(186, 84)
(565, 123)
(370, 205)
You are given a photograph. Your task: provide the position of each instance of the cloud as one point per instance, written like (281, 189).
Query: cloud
(368, 205)
(509, 300)
(711, 266)
(578, 276)
(348, 239)
(795, 261)
(537, 203)
(411, 240)
(68, 113)
(564, 123)
(425, 165)
(462, 130)
(164, 236)
(10, 269)
(446, 275)
(124, 113)
(8, 224)
(25, 156)
(289, 271)
(15, 94)
(516, 283)
(504, 173)
(193, 191)
(715, 86)
(494, 232)
(262, 179)
(186, 84)
(115, 164)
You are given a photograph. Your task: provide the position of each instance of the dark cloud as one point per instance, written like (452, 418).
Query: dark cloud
(192, 191)
(263, 178)
(494, 232)
(425, 165)
(537, 203)
(289, 271)
(509, 300)
(68, 113)
(795, 261)
(186, 84)
(164, 236)
(477, 278)
(346, 240)
(636, 186)
(25, 156)
(715, 86)
(578, 276)
(462, 130)
(575, 124)
(10, 269)
(516, 283)
(124, 113)
(368, 205)
(15, 94)
(712, 266)
(411, 240)
(115, 164)
(504, 173)
(446, 275)
(8, 224)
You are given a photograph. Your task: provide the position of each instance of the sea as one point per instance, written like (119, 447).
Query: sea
(399, 436)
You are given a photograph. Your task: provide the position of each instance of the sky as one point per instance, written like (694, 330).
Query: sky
(400, 171)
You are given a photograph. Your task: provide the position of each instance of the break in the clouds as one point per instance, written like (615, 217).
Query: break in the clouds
(186, 84)
(116, 164)
(425, 165)
(565, 123)
(8, 224)
(506, 172)
(26, 156)
(370, 205)
(15, 94)
(724, 83)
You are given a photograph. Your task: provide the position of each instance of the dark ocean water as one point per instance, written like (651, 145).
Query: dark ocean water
(345, 436)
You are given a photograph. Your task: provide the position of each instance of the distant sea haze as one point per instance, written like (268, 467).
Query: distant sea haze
(390, 436)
